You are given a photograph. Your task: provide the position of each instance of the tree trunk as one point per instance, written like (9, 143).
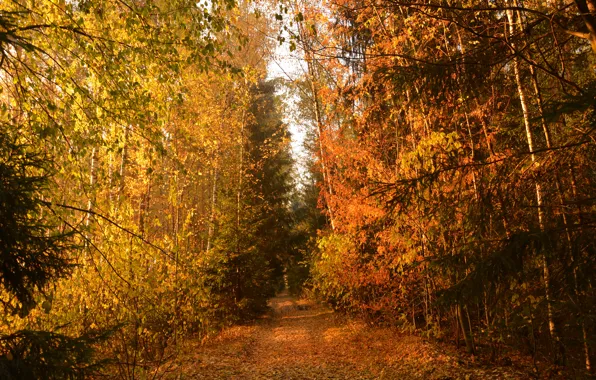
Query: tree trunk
(465, 332)
(213, 203)
(123, 163)
(92, 180)
(240, 172)
(585, 335)
(539, 196)
(560, 195)
(587, 9)
(319, 123)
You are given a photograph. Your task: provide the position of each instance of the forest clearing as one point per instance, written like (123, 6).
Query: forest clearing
(417, 178)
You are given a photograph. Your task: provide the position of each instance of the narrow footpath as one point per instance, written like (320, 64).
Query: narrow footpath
(302, 340)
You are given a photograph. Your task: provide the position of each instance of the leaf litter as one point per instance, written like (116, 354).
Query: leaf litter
(300, 339)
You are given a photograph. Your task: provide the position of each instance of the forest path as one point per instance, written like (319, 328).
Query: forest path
(303, 340)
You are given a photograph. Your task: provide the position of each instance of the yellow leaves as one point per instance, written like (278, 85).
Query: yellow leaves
(431, 153)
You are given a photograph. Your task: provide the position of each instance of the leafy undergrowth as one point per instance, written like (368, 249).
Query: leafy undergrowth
(302, 340)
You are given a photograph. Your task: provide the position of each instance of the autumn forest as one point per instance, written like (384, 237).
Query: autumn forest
(423, 168)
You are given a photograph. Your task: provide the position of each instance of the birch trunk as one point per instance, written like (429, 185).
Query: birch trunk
(213, 203)
(123, 163)
(319, 123)
(539, 194)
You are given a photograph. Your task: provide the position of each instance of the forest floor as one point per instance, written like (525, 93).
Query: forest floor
(299, 339)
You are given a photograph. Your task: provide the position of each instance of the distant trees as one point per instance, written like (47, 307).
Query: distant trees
(457, 147)
(251, 246)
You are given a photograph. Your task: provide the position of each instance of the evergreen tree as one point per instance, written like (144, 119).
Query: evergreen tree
(252, 243)
(33, 252)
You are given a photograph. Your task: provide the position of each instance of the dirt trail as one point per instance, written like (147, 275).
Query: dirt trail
(302, 340)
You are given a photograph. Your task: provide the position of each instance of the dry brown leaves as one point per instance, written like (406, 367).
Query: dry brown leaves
(302, 340)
